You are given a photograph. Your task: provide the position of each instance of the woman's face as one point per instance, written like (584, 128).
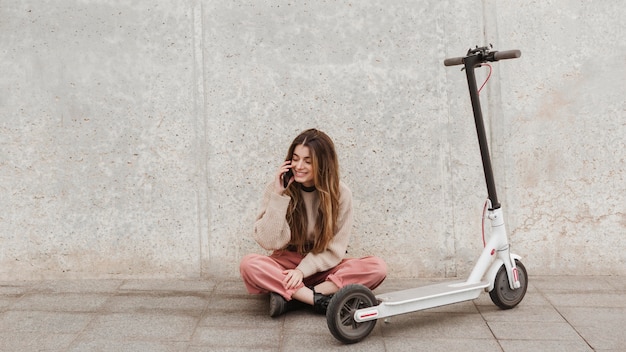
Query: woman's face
(301, 164)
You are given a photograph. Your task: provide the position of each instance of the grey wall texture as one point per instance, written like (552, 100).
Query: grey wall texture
(136, 137)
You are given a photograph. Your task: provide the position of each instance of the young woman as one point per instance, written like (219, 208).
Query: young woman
(307, 225)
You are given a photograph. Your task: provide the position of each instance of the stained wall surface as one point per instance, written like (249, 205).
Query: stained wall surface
(136, 137)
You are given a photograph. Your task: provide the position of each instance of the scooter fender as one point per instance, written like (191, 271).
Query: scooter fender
(493, 271)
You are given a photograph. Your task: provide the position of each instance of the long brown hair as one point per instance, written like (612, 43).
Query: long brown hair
(326, 178)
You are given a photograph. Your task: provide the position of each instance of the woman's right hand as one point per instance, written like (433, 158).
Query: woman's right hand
(278, 183)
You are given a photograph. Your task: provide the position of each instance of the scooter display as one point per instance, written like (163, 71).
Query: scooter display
(354, 310)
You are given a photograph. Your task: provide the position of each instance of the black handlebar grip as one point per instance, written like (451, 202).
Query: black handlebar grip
(507, 54)
(453, 61)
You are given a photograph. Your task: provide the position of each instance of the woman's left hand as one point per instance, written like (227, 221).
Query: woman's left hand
(293, 278)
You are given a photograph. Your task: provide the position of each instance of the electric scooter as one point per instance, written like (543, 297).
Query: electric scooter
(354, 310)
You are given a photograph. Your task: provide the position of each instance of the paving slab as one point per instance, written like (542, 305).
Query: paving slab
(78, 286)
(442, 344)
(526, 345)
(61, 302)
(35, 341)
(44, 322)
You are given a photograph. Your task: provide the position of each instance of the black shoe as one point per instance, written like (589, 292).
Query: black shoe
(279, 305)
(320, 302)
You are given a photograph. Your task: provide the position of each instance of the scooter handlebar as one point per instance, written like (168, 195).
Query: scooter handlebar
(453, 61)
(497, 55)
(507, 54)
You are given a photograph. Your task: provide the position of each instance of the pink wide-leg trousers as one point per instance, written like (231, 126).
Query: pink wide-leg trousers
(263, 274)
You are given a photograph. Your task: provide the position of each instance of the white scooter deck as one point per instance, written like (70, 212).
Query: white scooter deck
(420, 298)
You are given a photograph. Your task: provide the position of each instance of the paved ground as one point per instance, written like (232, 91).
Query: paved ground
(558, 314)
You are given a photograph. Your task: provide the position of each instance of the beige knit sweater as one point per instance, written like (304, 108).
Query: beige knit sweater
(271, 230)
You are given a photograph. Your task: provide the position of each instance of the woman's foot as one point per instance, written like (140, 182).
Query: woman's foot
(320, 302)
(279, 305)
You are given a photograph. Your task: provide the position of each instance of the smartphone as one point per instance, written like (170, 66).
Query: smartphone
(286, 177)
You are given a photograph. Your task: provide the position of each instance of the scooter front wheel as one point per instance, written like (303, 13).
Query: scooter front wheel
(502, 295)
(341, 309)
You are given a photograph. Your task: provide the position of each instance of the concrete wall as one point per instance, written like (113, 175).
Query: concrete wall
(136, 136)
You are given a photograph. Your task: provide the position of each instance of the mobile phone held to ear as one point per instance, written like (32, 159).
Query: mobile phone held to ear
(286, 177)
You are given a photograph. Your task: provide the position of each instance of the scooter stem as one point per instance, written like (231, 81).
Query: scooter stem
(471, 62)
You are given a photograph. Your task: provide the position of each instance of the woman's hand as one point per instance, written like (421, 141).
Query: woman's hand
(279, 187)
(293, 278)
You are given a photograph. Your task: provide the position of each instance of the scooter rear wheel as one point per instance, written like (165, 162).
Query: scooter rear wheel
(341, 309)
(502, 295)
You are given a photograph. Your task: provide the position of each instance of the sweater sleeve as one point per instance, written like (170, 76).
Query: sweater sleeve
(336, 250)
(271, 230)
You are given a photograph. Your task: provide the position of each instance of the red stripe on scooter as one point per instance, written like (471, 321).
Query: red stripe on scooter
(369, 315)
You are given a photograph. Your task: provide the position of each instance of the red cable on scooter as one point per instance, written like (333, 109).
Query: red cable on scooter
(488, 76)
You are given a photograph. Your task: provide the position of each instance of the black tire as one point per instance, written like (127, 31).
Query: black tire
(340, 313)
(502, 295)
